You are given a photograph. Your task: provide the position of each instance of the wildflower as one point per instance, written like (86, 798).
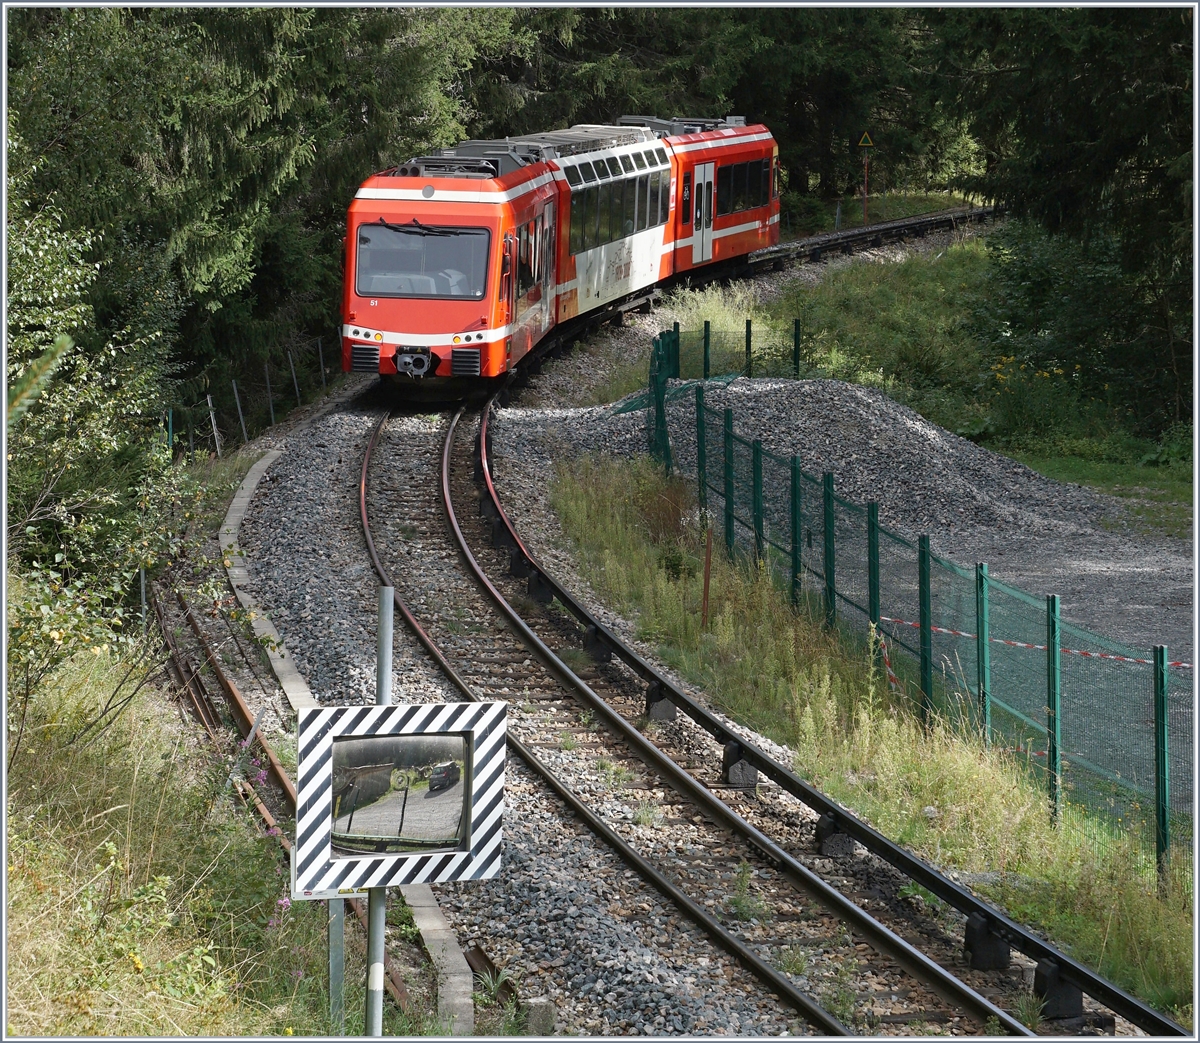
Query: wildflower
(298, 975)
(284, 903)
(256, 762)
(273, 831)
(137, 962)
(288, 1031)
(261, 777)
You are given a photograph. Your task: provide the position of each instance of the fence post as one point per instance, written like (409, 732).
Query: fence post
(1162, 806)
(337, 965)
(797, 531)
(756, 465)
(673, 357)
(707, 348)
(749, 357)
(321, 355)
(830, 564)
(925, 594)
(796, 348)
(212, 416)
(241, 420)
(983, 650)
(729, 536)
(658, 378)
(1053, 706)
(270, 400)
(701, 455)
(295, 382)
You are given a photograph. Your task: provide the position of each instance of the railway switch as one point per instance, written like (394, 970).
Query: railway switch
(984, 950)
(735, 770)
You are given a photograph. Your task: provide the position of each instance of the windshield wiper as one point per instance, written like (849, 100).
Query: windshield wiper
(419, 229)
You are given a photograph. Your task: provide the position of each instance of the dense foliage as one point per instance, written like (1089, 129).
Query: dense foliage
(178, 179)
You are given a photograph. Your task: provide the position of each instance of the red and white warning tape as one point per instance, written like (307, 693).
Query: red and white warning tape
(893, 681)
(1040, 648)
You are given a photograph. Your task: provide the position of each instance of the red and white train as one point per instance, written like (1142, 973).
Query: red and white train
(459, 264)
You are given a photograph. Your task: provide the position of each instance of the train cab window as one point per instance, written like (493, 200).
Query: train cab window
(421, 261)
(639, 161)
(586, 170)
(662, 156)
(573, 178)
(627, 164)
(644, 206)
(685, 199)
(724, 190)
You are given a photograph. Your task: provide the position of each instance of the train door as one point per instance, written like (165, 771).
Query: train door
(702, 224)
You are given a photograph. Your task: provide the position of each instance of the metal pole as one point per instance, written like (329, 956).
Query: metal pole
(873, 563)
(237, 398)
(295, 382)
(797, 530)
(321, 355)
(212, 415)
(757, 494)
(707, 347)
(1162, 806)
(377, 896)
(270, 400)
(729, 536)
(701, 454)
(925, 594)
(830, 553)
(1053, 706)
(337, 965)
(796, 348)
(749, 357)
(983, 650)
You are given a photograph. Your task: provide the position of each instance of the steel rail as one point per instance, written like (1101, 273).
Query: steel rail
(882, 938)
(776, 981)
(998, 923)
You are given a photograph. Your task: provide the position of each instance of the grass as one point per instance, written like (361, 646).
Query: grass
(782, 673)
(142, 900)
(807, 216)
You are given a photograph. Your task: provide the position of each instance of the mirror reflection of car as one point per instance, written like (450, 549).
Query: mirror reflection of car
(444, 775)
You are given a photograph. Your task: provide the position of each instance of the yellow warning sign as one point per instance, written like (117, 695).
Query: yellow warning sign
(865, 141)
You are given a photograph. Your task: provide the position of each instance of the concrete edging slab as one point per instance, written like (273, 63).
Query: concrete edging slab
(456, 1006)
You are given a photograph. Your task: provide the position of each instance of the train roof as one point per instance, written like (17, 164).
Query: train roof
(495, 157)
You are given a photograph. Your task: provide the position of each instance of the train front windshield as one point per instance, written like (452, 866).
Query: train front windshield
(418, 260)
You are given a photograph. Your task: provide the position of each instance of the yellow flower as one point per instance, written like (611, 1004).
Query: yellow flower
(137, 962)
(288, 1031)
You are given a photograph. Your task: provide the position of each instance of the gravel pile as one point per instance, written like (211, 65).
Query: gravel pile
(974, 504)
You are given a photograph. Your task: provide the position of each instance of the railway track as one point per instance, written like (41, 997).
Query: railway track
(770, 902)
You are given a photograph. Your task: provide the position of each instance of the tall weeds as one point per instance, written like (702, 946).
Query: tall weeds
(936, 789)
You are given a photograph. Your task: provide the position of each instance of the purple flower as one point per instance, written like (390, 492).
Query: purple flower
(256, 762)
(284, 903)
(298, 975)
(261, 777)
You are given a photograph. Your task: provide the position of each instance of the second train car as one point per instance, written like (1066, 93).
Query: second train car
(459, 264)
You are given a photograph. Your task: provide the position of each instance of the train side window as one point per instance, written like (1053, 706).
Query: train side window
(775, 183)
(573, 178)
(616, 211)
(605, 212)
(631, 195)
(614, 166)
(627, 164)
(724, 190)
(662, 156)
(576, 222)
(765, 191)
(586, 170)
(685, 199)
(664, 199)
(645, 205)
(739, 186)
(524, 260)
(753, 182)
(588, 229)
(641, 162)
(700, 202)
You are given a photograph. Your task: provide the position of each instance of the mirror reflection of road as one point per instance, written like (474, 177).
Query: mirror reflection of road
(427, 816)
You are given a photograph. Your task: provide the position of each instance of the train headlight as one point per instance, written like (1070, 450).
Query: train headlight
(379, 336)
(458, 340)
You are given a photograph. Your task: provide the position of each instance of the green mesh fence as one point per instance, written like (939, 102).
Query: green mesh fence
(1091, 722)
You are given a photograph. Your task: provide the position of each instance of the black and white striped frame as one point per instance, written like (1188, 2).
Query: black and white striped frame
(482, 724)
